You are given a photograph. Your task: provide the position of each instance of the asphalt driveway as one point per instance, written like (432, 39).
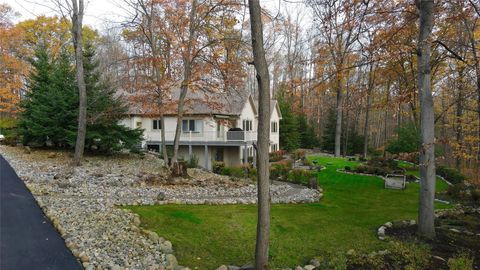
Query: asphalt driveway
(27, 238)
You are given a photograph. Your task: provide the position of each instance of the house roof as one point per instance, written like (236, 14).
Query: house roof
(197, 103)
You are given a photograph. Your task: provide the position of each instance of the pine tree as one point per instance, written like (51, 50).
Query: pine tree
(328, 139)
(289, 134)
(308, 137)
(47, 108)
(104, 111)
(50, 109)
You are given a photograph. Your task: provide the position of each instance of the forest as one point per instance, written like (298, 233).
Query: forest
(344, 72)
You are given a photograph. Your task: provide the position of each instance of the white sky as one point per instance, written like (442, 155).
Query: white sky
(101, 14)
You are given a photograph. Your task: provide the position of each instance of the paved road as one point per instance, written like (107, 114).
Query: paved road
(27, 238)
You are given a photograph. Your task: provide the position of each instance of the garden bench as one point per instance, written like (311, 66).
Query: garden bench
(395, 181)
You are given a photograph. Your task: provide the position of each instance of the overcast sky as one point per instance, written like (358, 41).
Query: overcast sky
(106, 13)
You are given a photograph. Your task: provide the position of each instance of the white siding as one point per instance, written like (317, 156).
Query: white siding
(275, 136)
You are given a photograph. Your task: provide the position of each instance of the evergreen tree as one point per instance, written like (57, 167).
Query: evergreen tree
(289, 134)
(50, 111)
(47, 109)
(407, 141)
(328, 139)
(308, 137)
(104, 111)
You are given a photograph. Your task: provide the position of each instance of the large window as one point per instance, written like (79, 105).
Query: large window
(247, 125)
(274, 127)
(156, 124)
(192, 125)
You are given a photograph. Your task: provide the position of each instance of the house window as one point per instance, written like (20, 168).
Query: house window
(156, 124)
(139, 124)
(248, 125)
(192, 125)
(274, 147)
(274, 127)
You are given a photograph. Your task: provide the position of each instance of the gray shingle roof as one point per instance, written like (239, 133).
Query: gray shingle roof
(196, 103)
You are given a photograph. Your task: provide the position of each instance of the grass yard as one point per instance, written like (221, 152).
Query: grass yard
(353, 207)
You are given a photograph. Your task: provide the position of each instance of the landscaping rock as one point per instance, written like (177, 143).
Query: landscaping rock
(315, 262)
(233, 267)
(171, 262)
(222, 267)
(82, 201)
(161, 196)
(309, 267)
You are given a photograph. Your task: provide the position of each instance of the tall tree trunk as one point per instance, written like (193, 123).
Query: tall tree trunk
(459, 118)
(367, 113)
(426, 217)
(385, 130)
(263, 173)
(338, 126)
(187, 74)
(77, 19)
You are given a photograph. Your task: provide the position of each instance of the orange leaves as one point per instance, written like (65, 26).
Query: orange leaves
(12, 68)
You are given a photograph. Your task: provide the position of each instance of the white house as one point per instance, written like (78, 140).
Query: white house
(215, 127)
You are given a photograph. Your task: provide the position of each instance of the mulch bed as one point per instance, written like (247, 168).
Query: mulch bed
(447, 244)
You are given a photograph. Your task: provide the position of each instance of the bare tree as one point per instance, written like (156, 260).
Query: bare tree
(263, 173)
(426, 215)
(77, 19)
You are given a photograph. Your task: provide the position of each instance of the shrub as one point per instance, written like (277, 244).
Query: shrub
(461, 262)
(225, 171)
(475, 195)
(239, 172)
(298, 154)
(450, 174)
(192, 162)
(277, 155)
(361, 169)
(300, 176)
(280, 169)
(217, 166)
(410, 178)
(408, 256)
(347, 168)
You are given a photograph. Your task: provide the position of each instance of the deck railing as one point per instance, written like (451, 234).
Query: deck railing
(205, 136)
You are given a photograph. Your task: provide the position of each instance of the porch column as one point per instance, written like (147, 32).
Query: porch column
(206, 157)
(190, 151)
(245, 154)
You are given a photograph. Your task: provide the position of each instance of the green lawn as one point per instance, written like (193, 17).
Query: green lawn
(353, 207)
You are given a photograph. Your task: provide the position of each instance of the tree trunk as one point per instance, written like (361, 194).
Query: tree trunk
(338, 126)
(426, 217)
(263, 173)
(367, 112)
(385, 130)
(164, 144)
(77, 18)
(459, 118)
(187, 73)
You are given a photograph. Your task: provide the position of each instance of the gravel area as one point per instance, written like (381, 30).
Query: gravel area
(81, 202)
